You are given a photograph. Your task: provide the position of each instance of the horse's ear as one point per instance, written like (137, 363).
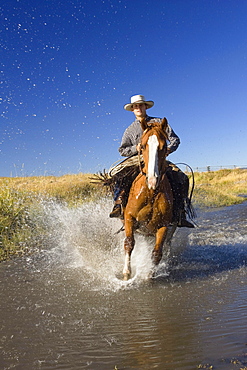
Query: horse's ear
(164, 124)
(144, 124)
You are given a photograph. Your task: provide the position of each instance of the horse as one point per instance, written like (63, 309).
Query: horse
(150, 201)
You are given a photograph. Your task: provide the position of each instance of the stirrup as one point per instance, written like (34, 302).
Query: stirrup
(116, 212)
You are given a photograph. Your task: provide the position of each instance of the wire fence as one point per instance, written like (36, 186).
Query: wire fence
(217, 168)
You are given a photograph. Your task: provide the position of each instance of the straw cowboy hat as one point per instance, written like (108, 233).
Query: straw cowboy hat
(138, 99)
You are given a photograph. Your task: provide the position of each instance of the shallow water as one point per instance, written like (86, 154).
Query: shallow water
(65, 308)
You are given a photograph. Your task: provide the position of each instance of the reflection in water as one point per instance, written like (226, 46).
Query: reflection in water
(65, 308)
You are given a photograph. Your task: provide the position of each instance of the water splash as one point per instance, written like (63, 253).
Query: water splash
(86, 239)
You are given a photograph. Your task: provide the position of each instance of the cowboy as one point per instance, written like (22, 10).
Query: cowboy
(130, 145)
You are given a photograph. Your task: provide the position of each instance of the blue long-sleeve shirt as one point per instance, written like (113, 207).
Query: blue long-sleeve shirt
(132, 137)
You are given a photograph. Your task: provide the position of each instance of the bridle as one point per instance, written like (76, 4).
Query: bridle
(139, 151)
(140, 158)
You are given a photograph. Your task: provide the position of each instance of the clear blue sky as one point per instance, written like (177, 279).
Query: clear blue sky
(67, 68)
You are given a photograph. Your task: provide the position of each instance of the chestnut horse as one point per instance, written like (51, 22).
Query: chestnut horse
(150, 201)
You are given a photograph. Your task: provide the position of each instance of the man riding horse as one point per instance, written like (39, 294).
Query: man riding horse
(130, 146)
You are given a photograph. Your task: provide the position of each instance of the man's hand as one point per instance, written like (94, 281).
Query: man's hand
(139, 148)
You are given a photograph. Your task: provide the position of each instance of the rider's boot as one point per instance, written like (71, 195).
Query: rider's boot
(117, 209)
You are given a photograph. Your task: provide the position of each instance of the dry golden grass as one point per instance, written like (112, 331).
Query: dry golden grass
(216, 188)
(19, 199)
(220, 188)
(71, 188)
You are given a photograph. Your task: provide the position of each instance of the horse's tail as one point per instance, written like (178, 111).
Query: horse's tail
(189, 206)
(189, 209)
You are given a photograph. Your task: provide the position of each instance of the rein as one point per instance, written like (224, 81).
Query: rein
(140, 164)
(139, 152)
(144, 174)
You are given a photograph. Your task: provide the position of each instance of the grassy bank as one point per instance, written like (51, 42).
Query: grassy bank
(220, 188)
(72, 189)
(20, 198)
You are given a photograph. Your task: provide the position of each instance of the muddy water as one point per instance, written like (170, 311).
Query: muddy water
(65, 308)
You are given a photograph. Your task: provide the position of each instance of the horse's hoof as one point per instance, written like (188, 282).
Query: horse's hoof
(151, 274)
(126, 276)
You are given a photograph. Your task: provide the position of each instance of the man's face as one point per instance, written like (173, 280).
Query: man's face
(139, 110)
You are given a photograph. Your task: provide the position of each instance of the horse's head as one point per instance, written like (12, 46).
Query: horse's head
(154, 150)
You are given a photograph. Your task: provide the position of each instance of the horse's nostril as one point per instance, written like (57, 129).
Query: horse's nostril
(152, 182)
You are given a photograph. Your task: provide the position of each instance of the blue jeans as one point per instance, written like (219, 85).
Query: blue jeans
(117, 191)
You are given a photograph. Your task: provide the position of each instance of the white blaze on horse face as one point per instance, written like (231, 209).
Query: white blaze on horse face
(153, 171)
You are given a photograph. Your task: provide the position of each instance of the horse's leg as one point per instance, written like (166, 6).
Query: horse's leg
(128, 247)
(129, 243)
(158, 248)
(169, 235)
